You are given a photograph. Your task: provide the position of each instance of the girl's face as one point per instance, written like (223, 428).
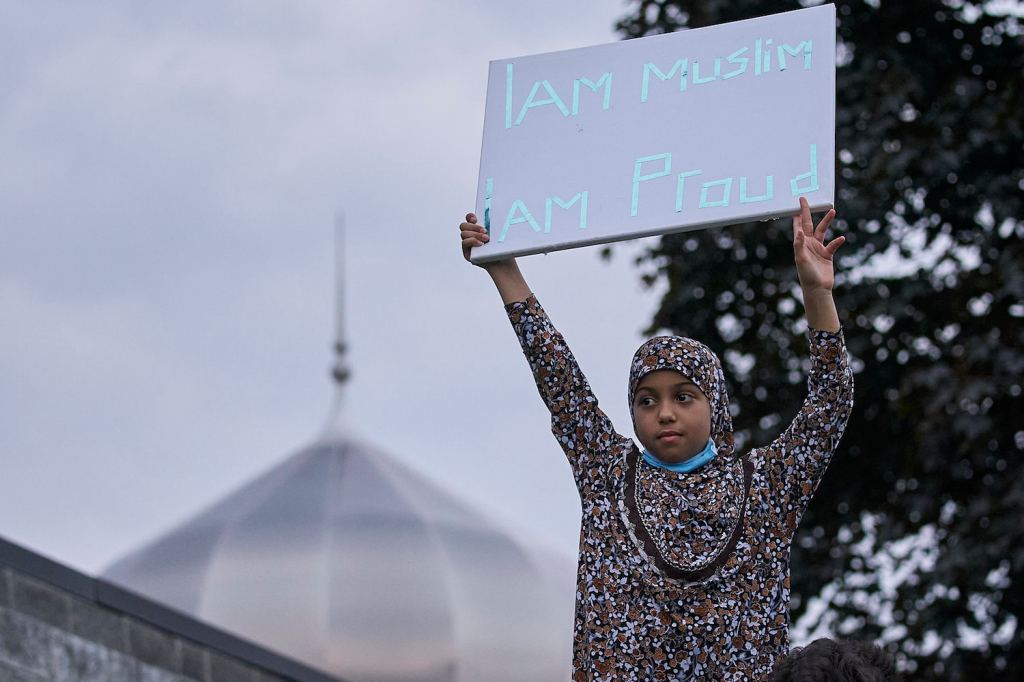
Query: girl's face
(672, 417)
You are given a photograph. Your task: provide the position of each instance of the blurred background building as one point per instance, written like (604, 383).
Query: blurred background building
(342, 558)
(60, 625)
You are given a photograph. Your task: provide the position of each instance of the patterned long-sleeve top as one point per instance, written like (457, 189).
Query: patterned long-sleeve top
(683, 576)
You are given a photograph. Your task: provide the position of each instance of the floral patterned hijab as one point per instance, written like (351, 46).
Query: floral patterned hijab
(699, 364)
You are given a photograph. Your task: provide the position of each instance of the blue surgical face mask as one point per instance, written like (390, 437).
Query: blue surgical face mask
(692, 464)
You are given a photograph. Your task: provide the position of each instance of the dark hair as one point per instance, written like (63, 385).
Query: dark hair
(828, 660)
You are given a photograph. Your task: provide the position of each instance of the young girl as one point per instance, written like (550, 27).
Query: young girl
(684, 545)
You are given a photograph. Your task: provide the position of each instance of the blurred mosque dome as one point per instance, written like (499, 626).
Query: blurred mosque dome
(347, 560)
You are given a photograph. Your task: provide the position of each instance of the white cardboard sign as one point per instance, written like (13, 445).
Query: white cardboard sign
(681, 131)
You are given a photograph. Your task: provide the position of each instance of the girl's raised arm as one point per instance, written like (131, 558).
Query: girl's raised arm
(797, 459)
(814, 267)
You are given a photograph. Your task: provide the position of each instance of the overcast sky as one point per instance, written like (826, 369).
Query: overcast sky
(169, 174)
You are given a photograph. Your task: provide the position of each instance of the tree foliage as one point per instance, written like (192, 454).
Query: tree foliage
(915, 537)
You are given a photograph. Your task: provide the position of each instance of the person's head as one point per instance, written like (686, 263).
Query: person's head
(678, 399)
(828, 660)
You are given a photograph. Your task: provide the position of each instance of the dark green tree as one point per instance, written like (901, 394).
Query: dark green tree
(916, 535)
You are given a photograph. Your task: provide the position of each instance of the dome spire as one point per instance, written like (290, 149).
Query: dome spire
(340, 371)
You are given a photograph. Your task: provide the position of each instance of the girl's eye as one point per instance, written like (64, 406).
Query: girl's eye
(646, 402)
(685, 397)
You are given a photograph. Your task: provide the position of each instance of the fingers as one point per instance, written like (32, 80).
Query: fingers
(798, 240)
(470, 225)
(473, 242)
(798, 219)
(475, 234)
(806, 223)
(472, 235)
(803, 222)
(834, 245)
(471, 230)
(819, 231)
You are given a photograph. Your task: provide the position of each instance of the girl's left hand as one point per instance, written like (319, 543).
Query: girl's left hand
(812, 255)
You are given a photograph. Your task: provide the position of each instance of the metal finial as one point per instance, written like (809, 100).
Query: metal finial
(340, 372)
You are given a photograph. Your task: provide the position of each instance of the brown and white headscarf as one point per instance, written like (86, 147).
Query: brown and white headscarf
(699, 364)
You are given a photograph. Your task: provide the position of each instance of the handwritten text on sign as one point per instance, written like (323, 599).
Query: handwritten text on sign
(674, 132)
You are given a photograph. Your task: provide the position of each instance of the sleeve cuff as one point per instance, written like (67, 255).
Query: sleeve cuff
(819, 336)
(516, 309)
(826, 345)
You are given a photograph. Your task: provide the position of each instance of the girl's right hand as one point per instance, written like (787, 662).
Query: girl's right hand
(472, 235)
(504, 271)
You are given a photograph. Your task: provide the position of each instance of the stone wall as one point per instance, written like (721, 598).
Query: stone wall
(60, 625)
